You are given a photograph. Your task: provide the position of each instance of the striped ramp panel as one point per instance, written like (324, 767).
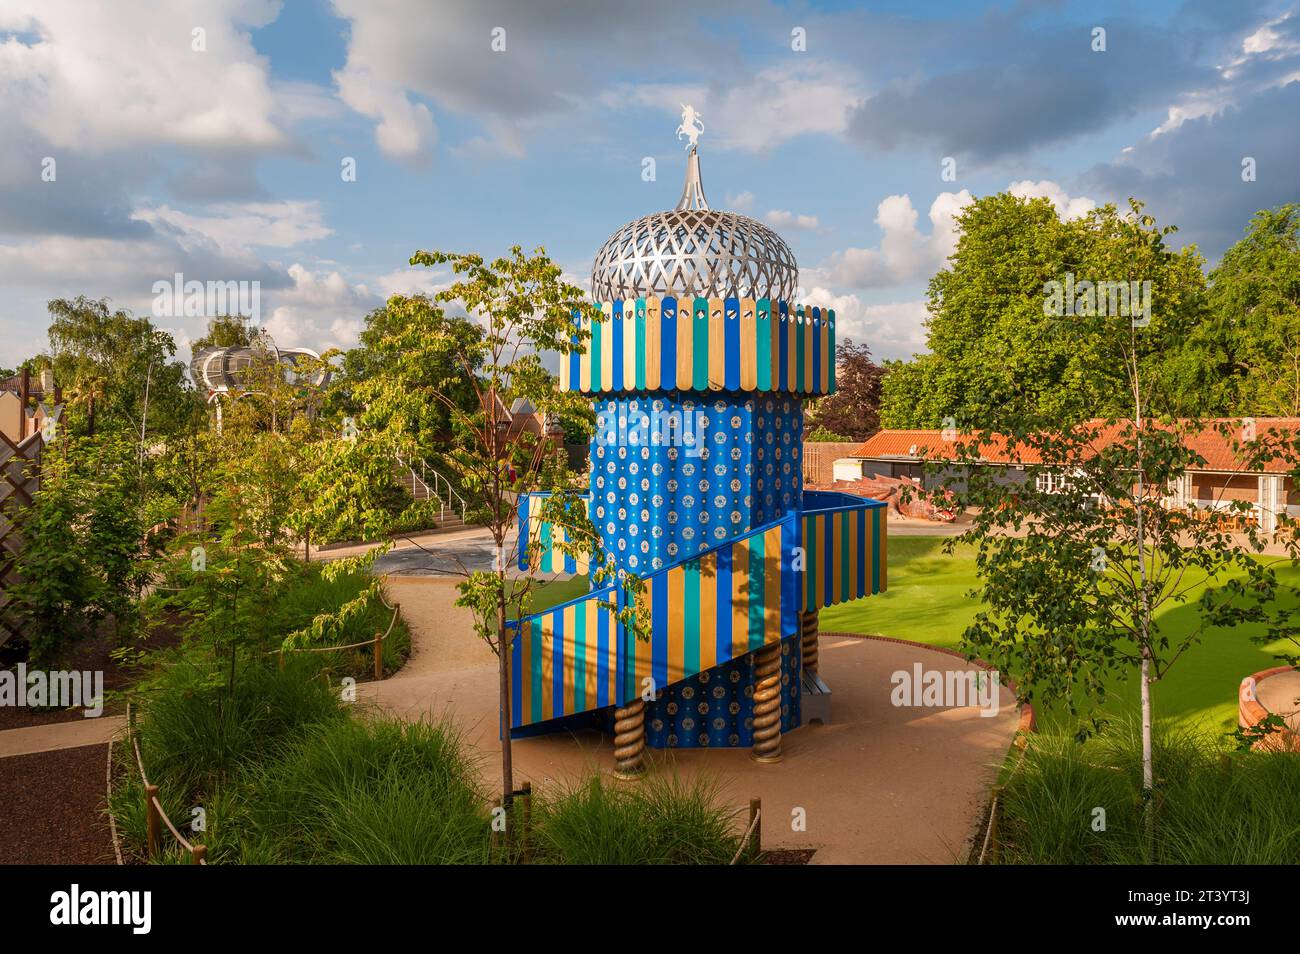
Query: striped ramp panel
(550, 559)
(845, 554)
(565, 660)
(713, 608)
(704, 344)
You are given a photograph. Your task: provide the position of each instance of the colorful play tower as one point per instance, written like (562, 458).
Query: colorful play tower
(699, 372)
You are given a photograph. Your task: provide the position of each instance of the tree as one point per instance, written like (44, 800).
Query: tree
(1077, 563)
(1255, 299)
(117, 369)
(226, 331)
(400, 347)
(82, 559)
(994, 357)
(518, 307)
(853, 411)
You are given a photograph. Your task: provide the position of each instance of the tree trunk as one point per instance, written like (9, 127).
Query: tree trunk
(503, 668)
(1148, 767)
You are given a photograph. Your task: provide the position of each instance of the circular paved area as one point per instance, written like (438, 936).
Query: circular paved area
(882, 784)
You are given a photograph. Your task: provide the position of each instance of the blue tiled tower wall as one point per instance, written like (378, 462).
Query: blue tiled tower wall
(676, 473)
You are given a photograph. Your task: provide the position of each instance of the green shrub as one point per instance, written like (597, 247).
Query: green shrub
(657, 821)
(1213, 805)
(369, 792)
(195, 731)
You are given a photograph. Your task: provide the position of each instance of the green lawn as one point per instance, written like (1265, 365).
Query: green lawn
(927, 602)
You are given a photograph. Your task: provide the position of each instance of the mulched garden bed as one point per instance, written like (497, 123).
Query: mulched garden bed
(52, 804)
(91, 654)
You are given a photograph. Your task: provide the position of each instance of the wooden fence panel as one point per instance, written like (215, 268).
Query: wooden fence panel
(19, 479)
(819, 461)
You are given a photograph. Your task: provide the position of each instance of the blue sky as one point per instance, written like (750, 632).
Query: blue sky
(223, 162)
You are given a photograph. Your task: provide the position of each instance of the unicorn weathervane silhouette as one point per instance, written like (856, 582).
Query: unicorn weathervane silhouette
(692, 126)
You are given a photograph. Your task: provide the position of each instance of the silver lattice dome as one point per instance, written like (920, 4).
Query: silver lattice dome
(694, 251)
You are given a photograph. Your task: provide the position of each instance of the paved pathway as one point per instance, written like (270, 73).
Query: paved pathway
(59, 735)
(881, 784)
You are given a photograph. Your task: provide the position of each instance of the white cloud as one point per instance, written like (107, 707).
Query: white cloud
(1067, 207)
(405, 130)
(236, 227)
(109, 76)
(321, 310)
(783, 219)
(414, 281)
(905, 254)
(741, 201)
(889, 329)
(772, 106)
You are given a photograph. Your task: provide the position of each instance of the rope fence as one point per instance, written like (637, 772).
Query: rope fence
(155, 815)
(377, 642)
(991, 847)
(755, 830)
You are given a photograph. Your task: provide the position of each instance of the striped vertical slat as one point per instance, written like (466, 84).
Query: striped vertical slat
(731, 343)
(606, 351)
(630, 345)
(815, 335)
(763, 344)
(564, 659)
(828, 356)
(653, 347)
(748, 344)
(844, 550)
(685, 343)
(717, 345)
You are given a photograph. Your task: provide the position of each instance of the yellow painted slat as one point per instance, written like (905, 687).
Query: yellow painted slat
(548, 663)
(748, 344)
(708, 648)
(740, 569)
(570, 651)
(772, 586)
(685, 344)
(584, 365)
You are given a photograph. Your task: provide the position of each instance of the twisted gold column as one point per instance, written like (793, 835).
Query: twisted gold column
(629, 739)
(767, 704)
(808, 624)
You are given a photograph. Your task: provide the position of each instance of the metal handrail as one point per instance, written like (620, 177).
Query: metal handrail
(451, 496)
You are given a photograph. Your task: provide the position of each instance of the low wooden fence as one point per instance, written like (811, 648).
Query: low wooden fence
(156, 815)
(377, 642)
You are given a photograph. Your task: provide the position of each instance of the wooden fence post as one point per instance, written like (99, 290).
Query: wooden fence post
(526, 798)
(756, 819)
(995, 826)
(379, 656)
(198, 854)
(151, 809)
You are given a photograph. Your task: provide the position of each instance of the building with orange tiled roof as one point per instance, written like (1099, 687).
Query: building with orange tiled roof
(1221, 479)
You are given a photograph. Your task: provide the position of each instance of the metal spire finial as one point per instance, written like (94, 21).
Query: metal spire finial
(693, 188)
